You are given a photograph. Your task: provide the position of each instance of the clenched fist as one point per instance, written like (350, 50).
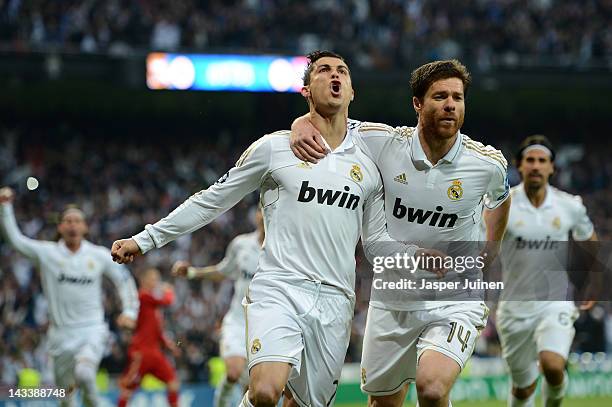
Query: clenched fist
(179, 269)
(124, 251)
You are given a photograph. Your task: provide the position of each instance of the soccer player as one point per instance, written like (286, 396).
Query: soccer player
(145, 353)
(239, 264)
(299, 305)
(533, 260)
(436, 181)
(71, 273)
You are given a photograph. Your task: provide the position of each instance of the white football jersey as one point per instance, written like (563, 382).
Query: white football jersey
(72, 282)
(433, 205)
(314, 214)
(240, 265)
(534, 251)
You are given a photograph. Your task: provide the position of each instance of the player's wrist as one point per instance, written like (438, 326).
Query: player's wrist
(192, 272)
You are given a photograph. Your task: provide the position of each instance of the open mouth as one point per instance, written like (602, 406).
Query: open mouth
(335, 88)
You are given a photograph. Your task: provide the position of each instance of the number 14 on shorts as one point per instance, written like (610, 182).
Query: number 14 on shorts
(460, 330)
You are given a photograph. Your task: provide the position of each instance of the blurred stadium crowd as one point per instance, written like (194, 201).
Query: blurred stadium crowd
(122, 185)
(371, 33)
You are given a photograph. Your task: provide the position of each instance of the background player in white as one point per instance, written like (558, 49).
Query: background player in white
(300, 303)
(436, 182)
(71, 273)
(239, 264)
(534, 264)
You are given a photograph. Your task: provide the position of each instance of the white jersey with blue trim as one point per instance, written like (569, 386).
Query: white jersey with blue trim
(535, 251)
(433, 205)
(314, 214)
(72, 281)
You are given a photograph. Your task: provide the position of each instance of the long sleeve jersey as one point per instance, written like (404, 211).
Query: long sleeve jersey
(72, 282)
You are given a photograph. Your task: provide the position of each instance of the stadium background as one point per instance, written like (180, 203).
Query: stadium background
(75, 113)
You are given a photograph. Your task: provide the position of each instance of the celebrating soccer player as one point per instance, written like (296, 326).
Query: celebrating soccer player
(145, 352)
(300, 302)
(534, 265)
(239, 264)
(436, 182)
(71, 271)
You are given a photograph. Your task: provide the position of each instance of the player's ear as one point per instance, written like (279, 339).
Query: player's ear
(353, 96)
(305, 91)
(416, 103)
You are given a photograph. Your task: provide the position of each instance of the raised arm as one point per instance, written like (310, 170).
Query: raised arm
(203, 207)
(24, 245)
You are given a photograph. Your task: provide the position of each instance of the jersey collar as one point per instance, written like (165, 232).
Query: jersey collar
(418, 154)
(62, 245)
(346, 144)
(526, 203)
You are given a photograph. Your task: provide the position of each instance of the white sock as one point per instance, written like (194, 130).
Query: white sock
(245, 401)
(85, 375)
(514, 402)
(553, 395)
(223, 393)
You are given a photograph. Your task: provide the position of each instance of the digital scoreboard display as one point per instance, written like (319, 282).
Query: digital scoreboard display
(239, 73)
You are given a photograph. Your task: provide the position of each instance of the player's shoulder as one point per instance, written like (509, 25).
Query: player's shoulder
(516, 190)
(95, 249)
(274, 139)
(97, 252)
(278, 140)
(486, 153)
(244, 238)
(570, 201)
(373, 129)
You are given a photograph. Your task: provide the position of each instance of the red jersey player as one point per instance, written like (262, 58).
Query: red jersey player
(145, 351)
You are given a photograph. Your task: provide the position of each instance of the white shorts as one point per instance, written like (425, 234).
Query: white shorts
(233, 335)
(69, 345)
(395, 340)
(306, 324)
(523, 337)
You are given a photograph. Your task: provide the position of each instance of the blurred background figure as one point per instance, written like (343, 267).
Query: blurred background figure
(71, 271)
(145, 353)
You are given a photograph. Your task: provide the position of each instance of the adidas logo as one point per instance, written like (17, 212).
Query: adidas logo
(401, 178)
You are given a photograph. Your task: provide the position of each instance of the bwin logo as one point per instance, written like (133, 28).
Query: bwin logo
(328, 196)
(420, 216)
(63, 278)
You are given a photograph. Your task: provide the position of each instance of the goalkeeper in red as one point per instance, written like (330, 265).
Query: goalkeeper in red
(145, 354)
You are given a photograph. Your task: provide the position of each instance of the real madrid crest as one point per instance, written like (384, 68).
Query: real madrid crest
(556, 222)
(256, 346)
(356, 174)
(455, 191)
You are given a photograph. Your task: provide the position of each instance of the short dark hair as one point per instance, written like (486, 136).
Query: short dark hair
(422, 77)
(314, 57)
(531, 141)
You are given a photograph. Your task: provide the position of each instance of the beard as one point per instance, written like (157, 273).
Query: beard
(432, 126)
